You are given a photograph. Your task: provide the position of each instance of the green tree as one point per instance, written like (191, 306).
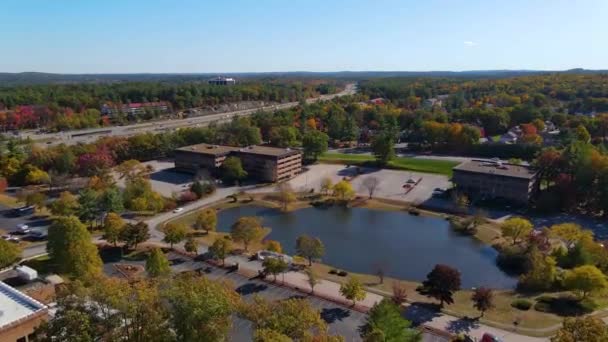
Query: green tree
(174, 233)
(111, 200)
(483, 299)
(9, 253)
(343, 190)
(273, 246)
(579, 329)
(586, 279)
(353, 290)
(201, 309)
(309, 248)
(286, 195)
(247, 229)
(542, 272)
(383, 147)
(283, 136)
(157, 264)
(232, 170)
(312, 278)
(70, 247)
(66, 205)
(268, 335)
(36, 199)
(569, 233)
(441, 283)
(294, 318)
(385, 317)
(326, 185)
(206, 220)
(113, 226)
(274, 266)
(88, 201)
(220, 249)
(516, 228)
(191, 246)
(197, 188)
(134, 234)
(582, 134)
(314, 143)
(37, 176)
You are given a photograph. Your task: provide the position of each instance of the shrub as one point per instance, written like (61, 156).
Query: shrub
(333, 271)
(522, 304)
(342, 273)
(542, 307)
(187, 196)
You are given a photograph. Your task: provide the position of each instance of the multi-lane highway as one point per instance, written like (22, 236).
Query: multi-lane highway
(90, 135)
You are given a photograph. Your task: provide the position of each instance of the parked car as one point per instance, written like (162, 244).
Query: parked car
(38, 235)
(178, 210)
(22, 228)
(487, 337)
(11, 238)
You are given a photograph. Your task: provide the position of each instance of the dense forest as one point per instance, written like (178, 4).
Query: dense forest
(67, 106)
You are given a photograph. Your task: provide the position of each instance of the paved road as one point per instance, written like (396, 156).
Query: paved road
(90, 135)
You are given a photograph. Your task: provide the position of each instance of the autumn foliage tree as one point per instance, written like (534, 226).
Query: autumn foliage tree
(441, 283)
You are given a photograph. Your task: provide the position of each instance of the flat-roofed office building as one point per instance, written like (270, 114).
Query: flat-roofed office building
(19, 315)
(494, 179)
(264, 163)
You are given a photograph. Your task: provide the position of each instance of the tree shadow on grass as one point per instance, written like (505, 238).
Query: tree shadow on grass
(334, 314)
(462, 325)
(419, 313)
(565, 306)
(250, 288)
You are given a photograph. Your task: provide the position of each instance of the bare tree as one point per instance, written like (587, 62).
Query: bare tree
(370, 184)
(399, 293)
(380, 269)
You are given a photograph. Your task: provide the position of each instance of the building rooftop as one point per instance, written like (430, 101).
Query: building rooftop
(15, 305)
(218, 150)
(497, 168)
(268, 151)
(209, 149)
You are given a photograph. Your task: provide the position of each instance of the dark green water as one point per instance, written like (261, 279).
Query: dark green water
(358, 239)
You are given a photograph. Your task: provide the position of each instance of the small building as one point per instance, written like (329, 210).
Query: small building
(483, 179)
(19, 315)
(220, 80)
(264, 163)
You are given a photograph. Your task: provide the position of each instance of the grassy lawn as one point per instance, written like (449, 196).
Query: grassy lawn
(503, 313)
(442, 167)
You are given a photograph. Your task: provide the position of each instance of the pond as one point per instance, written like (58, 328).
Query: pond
(359, 239)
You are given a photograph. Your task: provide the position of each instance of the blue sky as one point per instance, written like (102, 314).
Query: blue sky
(127, 36)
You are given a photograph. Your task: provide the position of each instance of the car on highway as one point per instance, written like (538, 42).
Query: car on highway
(178, 210)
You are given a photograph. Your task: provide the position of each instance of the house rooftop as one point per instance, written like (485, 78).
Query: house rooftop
(497, 168)
(16, 306)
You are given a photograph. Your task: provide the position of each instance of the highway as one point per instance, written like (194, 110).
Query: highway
(92, 134)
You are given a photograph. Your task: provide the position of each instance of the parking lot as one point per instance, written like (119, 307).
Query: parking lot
(391, 182)
(9, 223)
(340, 320)
(164, 179)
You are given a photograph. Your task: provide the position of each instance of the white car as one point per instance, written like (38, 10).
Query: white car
(178, 210)
(11, 238)
(23, 228)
